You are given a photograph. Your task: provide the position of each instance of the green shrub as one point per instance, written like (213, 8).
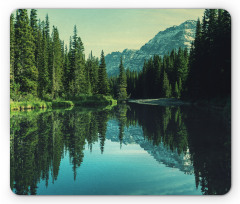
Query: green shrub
(62, 104)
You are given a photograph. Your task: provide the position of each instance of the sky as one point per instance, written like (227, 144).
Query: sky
(115, 29)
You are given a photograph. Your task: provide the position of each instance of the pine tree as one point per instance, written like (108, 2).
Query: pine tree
(122, 83)
(195, 63)
(92, 69)
(49, 54)
(181, 65)
(66, 70)
(56, 65)
(12, 45)
(180, 89)
(35, 28)
(176, 91)
(42, 64)
(80, 78)
(157, 75)
(210, 55)
(167, 90)
(71, 76)
(25, 71)
(103, 86)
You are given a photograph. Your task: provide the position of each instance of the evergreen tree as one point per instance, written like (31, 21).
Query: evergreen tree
(210, 57)
(25, 71)
(49, 53)
(66, 70)
(193, 81)
(157, 75)
(180, 86)
(92, 69)
(42, 63)
(176, 91)
(167, 90)
(35, 30)
(12, 44)
(80, 82)
(57, 72)
(122, 82)
(103, 86)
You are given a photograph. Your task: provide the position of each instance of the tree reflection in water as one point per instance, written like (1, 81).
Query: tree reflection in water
(39, 141)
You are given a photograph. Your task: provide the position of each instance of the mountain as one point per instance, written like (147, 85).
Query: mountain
(161, 153)
(165, 41)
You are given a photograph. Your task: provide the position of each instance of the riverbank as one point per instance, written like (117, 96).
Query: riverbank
(85, 101)
(160, 101)
(220, 107)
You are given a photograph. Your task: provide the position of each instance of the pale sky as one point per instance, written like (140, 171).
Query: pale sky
(115, 29)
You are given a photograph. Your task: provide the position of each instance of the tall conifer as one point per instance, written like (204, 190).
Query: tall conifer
(25, 71)
(103, 87)
(122, 82)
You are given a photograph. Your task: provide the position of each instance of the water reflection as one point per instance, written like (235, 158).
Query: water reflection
(190, 140)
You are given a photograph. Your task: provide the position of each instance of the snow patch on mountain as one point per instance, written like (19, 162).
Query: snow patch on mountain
(165, 41)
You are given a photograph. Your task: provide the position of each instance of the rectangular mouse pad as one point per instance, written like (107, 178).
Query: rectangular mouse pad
(120, 101)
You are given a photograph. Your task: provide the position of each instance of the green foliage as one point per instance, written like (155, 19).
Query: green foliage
(65, 104)
(35, 30)
(210, 57)
(12, 45)
(25, 71)
(176, 91)
(94, 100)
(31, 102)
(57, 72)
(41, 67)
(205, 72)
(92, 68)
(42, 63)
(158, 76)
(167, 90)
(30, 105)
(122, 83)
(103, 86)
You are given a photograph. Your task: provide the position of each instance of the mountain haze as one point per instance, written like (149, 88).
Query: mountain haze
(165, 41)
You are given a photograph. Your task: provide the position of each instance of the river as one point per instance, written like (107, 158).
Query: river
(132, 149)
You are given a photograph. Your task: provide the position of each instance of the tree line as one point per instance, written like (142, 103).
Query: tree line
(160, 76)
(210, 56)
(42, 66)
(204, 72)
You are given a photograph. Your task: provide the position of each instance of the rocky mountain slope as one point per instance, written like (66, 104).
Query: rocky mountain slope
(165, 41)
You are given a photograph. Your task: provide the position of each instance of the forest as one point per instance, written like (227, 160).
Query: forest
(43, 67)
(204, 72)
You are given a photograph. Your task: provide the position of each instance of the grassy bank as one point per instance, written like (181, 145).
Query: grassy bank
(84, 100)
(26, 105)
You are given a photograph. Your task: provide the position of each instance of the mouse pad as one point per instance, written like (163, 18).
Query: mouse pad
(120, 101)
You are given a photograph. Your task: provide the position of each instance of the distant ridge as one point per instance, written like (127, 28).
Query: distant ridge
(165, 41)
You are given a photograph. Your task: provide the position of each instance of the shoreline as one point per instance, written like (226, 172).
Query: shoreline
(222, 109)
(160, 102)
(90, 101)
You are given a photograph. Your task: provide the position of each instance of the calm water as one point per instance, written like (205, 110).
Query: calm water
(129, 150)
